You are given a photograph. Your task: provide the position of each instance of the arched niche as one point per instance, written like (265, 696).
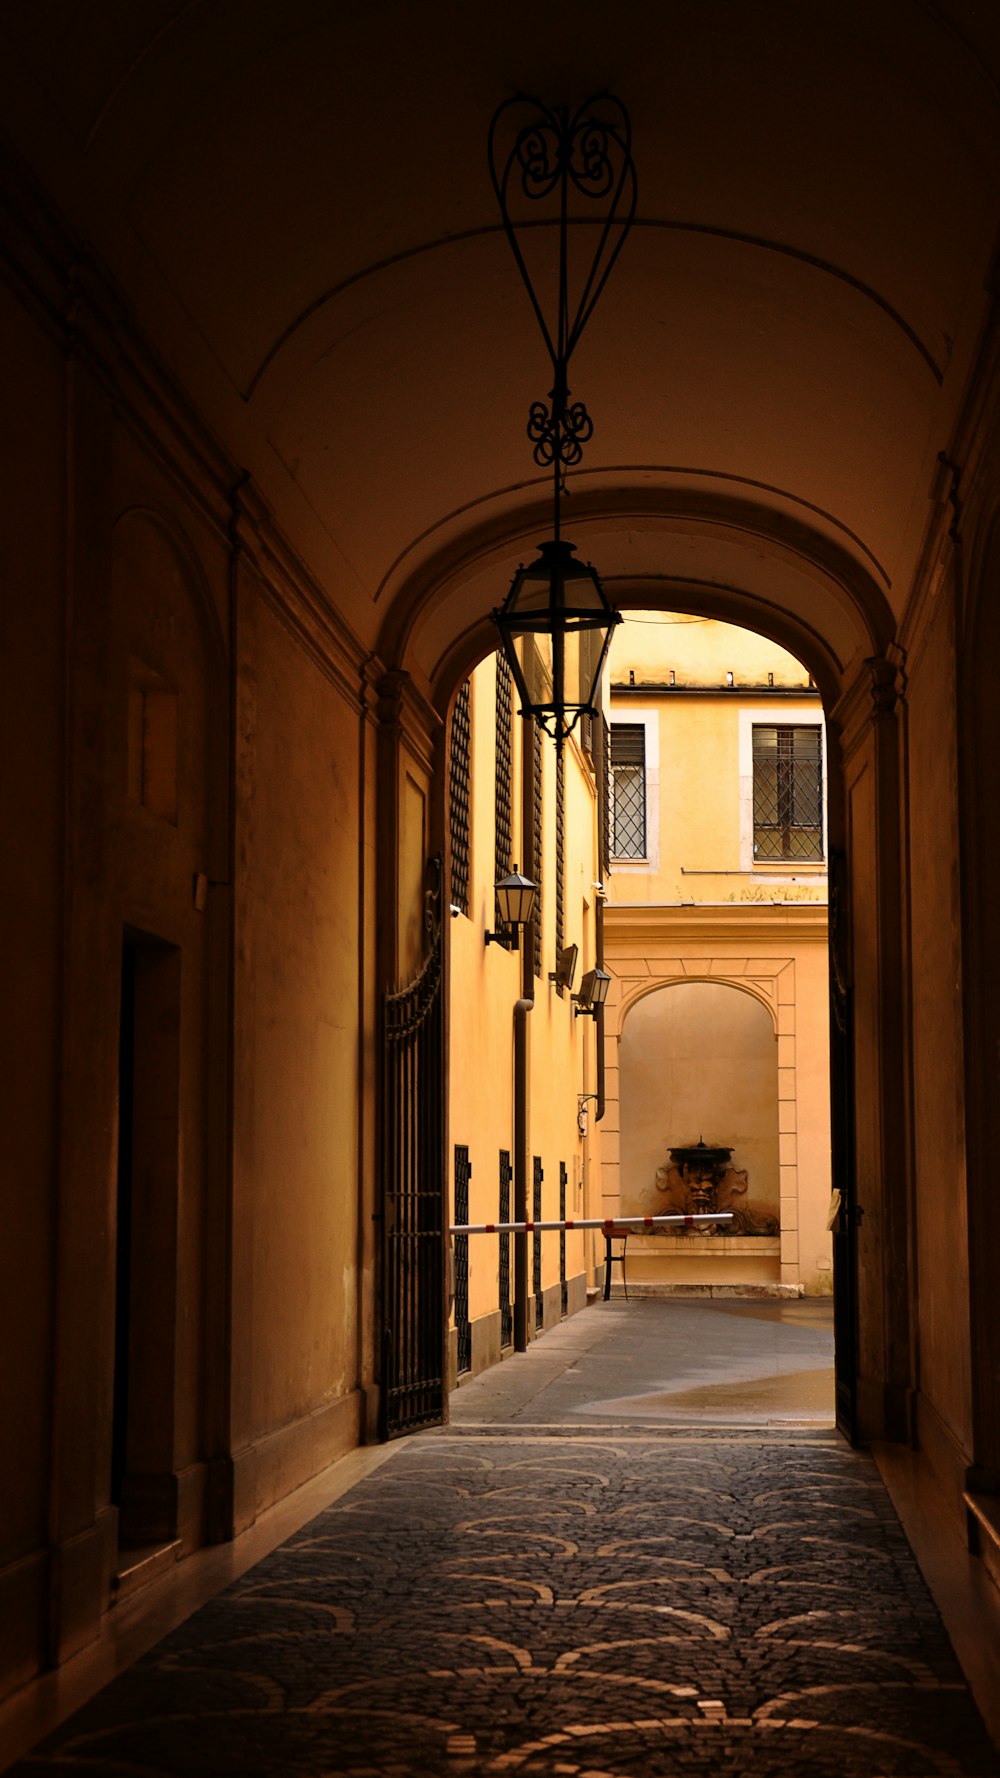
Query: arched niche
(167, 642)
(697, 1060)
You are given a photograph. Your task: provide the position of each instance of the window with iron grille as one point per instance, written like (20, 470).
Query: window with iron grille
(603, 738)
(787, 792)
(628, 790)
(460, 776)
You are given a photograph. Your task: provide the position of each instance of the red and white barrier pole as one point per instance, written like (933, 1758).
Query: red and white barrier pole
(609, 1226)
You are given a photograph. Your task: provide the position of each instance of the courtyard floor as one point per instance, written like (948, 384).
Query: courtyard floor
(639, 1548)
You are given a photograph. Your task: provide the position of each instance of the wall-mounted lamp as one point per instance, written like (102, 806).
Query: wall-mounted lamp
(593, 992)
(581, 1110)
(565, 968)
(515, 905)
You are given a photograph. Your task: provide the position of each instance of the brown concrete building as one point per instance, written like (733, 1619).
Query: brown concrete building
(264, 478)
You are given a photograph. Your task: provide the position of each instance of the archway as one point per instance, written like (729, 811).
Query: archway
(712, 554)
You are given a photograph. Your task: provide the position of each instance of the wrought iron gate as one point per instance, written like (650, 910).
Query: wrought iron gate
(413, 1193)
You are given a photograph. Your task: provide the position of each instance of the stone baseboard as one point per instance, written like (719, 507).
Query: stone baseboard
(693, 1291)
(280, 1461)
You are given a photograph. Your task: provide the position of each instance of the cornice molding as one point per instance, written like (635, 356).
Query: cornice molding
(874, 694)
(725, 923)
(404, 710)
(294, 595)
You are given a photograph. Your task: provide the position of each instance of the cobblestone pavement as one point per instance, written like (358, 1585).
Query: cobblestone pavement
(585, 1604)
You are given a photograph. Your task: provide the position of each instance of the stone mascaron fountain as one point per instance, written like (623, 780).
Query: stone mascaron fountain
(699, 1178)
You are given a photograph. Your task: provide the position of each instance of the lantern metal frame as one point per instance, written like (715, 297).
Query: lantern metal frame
(515, 902)
(561, 157)
(557, 619)
(593, 993)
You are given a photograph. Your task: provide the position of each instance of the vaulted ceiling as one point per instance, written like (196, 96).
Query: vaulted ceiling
(295, 198)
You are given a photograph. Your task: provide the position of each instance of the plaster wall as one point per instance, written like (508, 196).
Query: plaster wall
(941, 1223)
(670, 673)
(296, 1205)
(699, 651)
(164, 817)
(31, 728)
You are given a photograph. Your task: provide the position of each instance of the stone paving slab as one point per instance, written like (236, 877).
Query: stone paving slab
(666, 1361)
(586, 1606)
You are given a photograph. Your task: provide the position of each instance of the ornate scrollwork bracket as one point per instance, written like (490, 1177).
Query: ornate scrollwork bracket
(433, 879)
(553, 167)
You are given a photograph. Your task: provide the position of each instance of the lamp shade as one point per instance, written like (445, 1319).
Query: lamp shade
(515, 899)
(555, 627)
(594, 989)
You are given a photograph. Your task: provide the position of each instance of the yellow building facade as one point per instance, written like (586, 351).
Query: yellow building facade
(716, 937)
(522, 1059)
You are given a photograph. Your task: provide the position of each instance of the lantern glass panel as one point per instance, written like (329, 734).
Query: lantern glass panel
(515, 899)
(602, 982)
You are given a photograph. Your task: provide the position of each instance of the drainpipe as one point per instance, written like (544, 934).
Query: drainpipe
(599, 1021)
(522, 1008)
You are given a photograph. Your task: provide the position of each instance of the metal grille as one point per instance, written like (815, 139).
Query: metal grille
(504, 770)
(413, 1204)
(787, 792)
(628, 790)
(460, 772)
(560, 858)
(536, 1243)
(506, 1312)
(463, 1173)
(563, 1286)
(536, 825)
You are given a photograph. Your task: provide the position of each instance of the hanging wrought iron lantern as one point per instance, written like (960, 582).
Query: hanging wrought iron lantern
(555, 626)
(556, 622)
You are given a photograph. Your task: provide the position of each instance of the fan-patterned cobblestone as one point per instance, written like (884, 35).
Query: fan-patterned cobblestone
(582, 1606)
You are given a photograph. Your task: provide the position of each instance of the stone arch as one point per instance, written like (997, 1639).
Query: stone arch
(743, 561)
(639, 990)
(189, 563)
(712, 553)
